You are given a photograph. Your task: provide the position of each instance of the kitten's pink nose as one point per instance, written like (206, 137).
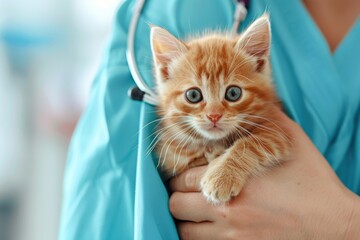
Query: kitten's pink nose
(214, 117)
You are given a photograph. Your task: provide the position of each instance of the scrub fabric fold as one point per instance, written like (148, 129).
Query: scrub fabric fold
(112, 189)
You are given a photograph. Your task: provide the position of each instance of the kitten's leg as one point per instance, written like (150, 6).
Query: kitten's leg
(226, 175)
(213, 151)
(200, 161)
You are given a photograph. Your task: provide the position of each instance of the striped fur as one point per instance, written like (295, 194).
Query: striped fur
(245, 140)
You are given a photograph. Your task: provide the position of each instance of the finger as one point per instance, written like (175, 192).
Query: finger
(188, 181)
(191, 207)
(197, 231)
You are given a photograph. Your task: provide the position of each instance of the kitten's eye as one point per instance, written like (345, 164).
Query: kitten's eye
(233, 93)
(193, 95)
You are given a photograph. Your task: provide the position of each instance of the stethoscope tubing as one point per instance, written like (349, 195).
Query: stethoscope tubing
(142, 92)
(148, 95)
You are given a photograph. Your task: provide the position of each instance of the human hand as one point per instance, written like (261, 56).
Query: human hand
(301, 199)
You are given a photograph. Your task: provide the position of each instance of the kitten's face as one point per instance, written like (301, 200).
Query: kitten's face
(212, 86)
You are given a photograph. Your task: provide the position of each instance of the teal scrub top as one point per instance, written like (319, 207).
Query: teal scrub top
(112, 189)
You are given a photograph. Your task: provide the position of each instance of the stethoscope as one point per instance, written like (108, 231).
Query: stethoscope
(142, 92)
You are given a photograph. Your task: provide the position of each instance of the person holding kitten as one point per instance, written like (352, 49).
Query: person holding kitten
(112, 187)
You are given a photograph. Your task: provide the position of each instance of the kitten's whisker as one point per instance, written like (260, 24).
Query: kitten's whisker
(245, 144)
(185, 143)
(272, 121)
(173, 125)
(168, 145)
(157, 120)
(171, 139)
(267, 129)
(259, 142)
(178, 145)
(159, 132)
(265, 150)
(149, 123)
(162, 132)
(161, 158)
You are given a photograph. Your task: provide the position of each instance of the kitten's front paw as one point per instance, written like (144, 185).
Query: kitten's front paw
(220, 184)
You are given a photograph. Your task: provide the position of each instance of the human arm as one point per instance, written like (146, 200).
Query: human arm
(301, 199)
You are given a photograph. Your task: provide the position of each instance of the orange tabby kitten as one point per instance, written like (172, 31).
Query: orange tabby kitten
(215, 97)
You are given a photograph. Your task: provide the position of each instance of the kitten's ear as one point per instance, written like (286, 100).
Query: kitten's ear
(256, 39)
(165, 46)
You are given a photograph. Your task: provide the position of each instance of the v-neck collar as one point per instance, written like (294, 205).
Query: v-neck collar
(341, 63)
(343, 58)
(312, 87)
(347, 55)
(349, 40)
(351, 31)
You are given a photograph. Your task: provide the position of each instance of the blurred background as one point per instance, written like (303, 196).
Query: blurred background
(49, 53)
